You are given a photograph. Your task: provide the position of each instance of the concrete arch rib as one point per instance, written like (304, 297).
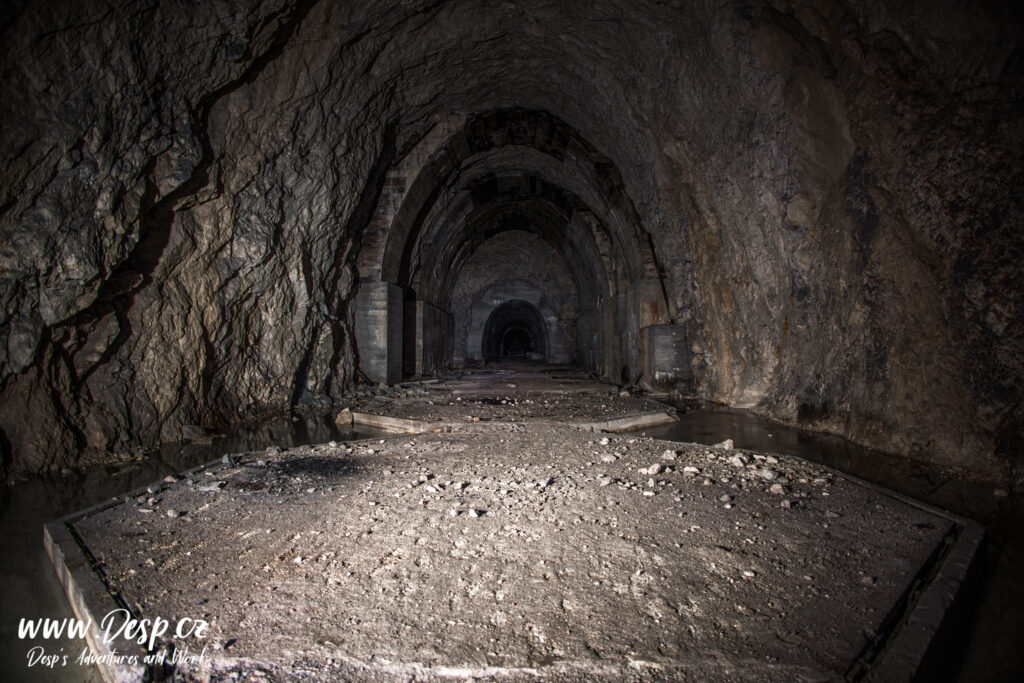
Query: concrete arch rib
(530, 141)
(472, 178)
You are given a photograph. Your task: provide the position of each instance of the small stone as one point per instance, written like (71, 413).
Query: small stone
(832, 515)
(768, 474)
(668, 455)
(172, 512)
(785, 505)
(649, 493)
(273, 450)
(725, 498)
(476, 513)
(605, 481)
(737, 461)
(544, 483)
(777, 489)
(654, 469)
(608, 458)
(1000, 493)
(691, 471)
(868, 580)
(749, 574)
(603, 441)
(726, 445)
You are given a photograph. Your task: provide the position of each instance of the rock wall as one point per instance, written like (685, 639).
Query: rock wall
(831, 189)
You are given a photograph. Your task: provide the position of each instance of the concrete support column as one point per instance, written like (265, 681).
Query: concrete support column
(434, 331)
(379, 313)
(609, 340)
(665, 358)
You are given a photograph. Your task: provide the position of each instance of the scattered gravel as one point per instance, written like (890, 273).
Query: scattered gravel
(502, 552)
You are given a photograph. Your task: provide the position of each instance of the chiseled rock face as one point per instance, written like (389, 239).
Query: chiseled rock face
(832, 190)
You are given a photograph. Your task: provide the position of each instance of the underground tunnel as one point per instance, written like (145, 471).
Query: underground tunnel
(515, 328)
(790, 229)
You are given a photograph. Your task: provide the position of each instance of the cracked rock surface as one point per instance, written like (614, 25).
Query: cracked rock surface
(830, 188)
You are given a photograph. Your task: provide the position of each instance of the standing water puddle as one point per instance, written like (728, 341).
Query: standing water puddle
(32, 591)
(30, 587)
(927, 483)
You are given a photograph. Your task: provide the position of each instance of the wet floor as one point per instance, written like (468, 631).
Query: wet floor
(30, 589)
(942, 488)
(992, 625)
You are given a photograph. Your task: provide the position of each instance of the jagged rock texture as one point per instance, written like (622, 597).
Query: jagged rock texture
(831, 187)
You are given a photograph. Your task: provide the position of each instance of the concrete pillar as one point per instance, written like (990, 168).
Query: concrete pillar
(433, 330)
(665, 358)
(609, 341)
(379, 314)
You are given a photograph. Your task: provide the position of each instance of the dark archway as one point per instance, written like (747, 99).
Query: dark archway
(516, 342)
(515, 328)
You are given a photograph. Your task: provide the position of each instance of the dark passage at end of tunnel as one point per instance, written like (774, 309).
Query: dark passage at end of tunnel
(515, 328)
(805, 210)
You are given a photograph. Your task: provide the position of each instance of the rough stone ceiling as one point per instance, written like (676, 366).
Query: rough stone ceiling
(829, 188)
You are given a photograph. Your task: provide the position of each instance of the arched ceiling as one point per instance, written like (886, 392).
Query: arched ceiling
(829, 187)
(505, 170)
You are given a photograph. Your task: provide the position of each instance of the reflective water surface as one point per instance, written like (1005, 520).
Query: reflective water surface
(30, 588)
(987, 638)
(989, 652)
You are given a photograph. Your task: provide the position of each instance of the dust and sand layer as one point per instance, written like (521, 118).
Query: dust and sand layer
(515, 551)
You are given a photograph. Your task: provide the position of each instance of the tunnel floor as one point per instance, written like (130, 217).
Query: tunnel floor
(517, 549)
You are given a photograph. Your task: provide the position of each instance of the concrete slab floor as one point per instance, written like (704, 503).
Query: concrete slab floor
(492, 396)
(514, 550)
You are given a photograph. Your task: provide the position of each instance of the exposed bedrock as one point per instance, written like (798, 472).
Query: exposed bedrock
(817, 205)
